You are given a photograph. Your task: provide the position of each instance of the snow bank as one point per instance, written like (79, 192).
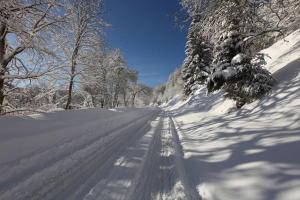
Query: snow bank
(248, 153)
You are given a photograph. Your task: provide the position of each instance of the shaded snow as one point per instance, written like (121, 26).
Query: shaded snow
(249, 153)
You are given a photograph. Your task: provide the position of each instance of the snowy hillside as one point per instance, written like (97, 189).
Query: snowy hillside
(249, 153)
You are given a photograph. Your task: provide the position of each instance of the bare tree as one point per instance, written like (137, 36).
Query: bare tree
(79, 36)
(139, 89)
(117, 69)
(128, 81)
(46, 45)
(24, 29)
(94, 76)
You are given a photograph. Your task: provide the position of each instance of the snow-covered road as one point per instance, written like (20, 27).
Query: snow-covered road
(92, 154)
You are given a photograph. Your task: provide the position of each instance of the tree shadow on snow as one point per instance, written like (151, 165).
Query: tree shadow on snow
(250, 153)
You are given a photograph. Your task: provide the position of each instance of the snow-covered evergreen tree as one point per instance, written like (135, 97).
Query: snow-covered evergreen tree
(228, 45)
(249, 80)
(233, 71)
(198, 58)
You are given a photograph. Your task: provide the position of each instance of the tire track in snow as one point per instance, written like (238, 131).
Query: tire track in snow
(162, 176)
(190, 192)
(119, 184)
(169, 187)
(11, 174)
(143, 183)
(150, 167)
(53, 181)
(93, 173)
(54, 129)
(172, 182)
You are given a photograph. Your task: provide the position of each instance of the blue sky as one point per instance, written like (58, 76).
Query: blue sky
(146, 33)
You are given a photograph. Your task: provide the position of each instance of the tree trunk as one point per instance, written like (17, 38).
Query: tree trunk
(125, 98)
(2, 64)
(71, 83)
(102, 103)
(93, 100)
(133, 100)
(72, 76)
(1, 95)
(70, 89)
(116, 97)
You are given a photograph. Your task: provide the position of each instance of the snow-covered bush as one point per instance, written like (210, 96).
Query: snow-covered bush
(248, 80)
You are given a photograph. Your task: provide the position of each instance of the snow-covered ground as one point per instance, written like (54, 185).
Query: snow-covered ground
(67, 155)
(248, 154)
(93, 154)
(201, 148)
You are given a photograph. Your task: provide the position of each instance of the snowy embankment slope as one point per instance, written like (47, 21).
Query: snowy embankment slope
(250, 153)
